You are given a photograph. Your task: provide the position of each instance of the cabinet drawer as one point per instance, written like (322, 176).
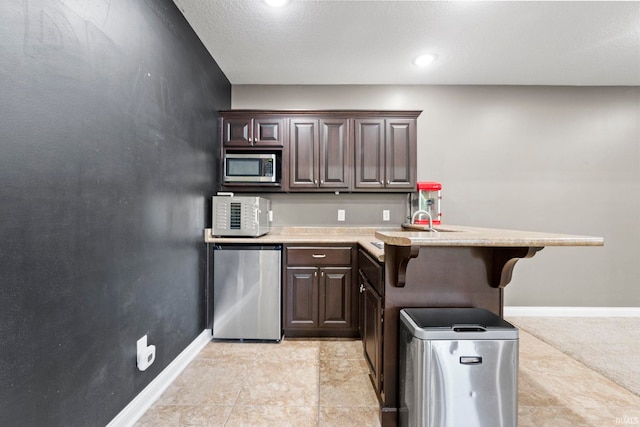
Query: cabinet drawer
(319, 255)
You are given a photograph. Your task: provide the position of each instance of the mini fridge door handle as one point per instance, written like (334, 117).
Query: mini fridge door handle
(470, 360)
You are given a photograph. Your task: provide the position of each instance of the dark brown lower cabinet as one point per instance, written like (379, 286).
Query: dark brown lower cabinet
(320, 292)
(372, 332)
(301, 294)
(371, 277)
(336, 290)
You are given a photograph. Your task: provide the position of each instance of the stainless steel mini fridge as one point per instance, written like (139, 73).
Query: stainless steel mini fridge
(247, 292)
(458, 367)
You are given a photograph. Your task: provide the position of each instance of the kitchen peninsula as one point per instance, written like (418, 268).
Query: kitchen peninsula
(454, 267)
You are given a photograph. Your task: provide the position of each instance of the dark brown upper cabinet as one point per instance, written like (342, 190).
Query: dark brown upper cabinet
(385, 154)
(335, 147)
(319, 154)
(303, 153)
(400, 160)
(253, 132)
(369, 153)
(329, 150)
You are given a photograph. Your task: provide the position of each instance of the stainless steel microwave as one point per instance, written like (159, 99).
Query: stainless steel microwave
(246, 167)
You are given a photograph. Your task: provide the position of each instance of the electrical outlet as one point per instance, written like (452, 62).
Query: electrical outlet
(386, 216)
(341, 215)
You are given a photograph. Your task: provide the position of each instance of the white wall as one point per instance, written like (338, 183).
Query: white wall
(557, 159)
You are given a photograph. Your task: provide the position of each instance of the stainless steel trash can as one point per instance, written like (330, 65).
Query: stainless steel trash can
(458, 367)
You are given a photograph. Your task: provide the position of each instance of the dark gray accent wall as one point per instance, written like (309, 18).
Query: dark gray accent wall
(108, 155)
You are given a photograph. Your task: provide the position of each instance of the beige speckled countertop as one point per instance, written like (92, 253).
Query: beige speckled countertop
(363, 236)
(449, 235)
(455, 235)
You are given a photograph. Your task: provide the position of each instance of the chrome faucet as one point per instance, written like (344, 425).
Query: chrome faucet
(423, 212)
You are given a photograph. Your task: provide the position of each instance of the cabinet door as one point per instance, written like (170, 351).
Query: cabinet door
(267, 132)
(303, 154)
(237, 132)
(361, 288)
(336, 291)
(372, 333)
(369, 152)
(400, 171)
(301, 298)
(335, 164)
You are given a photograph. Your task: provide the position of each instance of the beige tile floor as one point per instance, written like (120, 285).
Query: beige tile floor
(325, 383)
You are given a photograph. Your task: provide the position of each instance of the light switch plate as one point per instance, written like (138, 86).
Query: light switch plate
(341, 215)
(386, 216)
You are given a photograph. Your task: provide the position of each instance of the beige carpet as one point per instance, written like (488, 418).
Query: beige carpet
(608, 345)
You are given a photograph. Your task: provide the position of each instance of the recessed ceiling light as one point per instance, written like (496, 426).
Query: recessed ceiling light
(424, 60)
(276, 3)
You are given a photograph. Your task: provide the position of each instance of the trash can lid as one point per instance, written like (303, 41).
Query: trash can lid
(456, 323)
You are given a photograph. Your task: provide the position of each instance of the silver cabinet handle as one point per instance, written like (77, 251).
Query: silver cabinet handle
(319, 255)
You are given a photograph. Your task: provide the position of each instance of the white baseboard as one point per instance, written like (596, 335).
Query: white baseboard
(572, 311)
(143, 401)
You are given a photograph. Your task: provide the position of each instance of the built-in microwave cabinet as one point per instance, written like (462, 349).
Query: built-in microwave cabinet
(252, 131)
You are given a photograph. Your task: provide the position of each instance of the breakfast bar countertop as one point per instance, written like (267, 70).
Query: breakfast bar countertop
(455, 235)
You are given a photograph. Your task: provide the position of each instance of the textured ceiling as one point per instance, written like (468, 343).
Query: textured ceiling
(374, 42)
